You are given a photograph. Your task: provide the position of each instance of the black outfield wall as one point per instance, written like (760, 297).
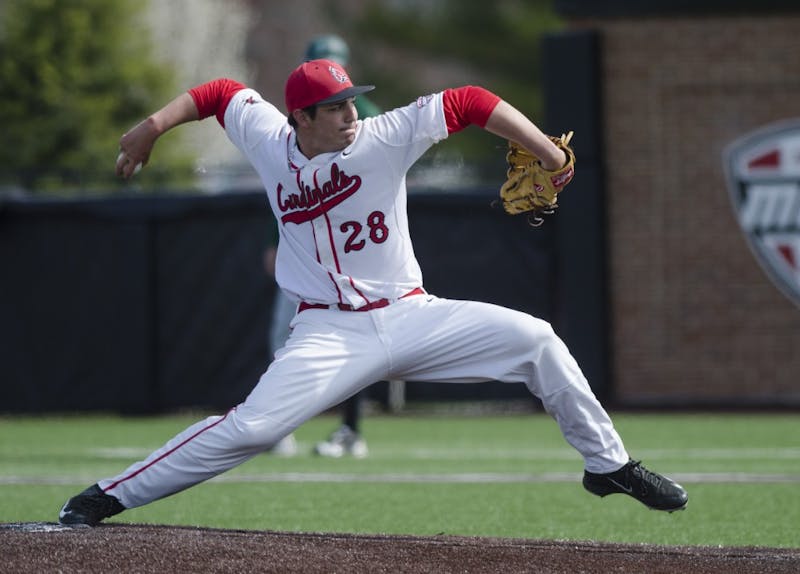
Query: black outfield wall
(156, 303)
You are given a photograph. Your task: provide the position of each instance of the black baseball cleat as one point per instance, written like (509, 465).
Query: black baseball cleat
(89, 508)
(650, 488)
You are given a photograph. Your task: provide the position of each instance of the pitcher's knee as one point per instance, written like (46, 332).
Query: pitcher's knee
(536, 334)
(552, 367)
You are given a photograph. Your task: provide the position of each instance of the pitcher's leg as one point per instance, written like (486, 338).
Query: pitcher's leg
(447, 340)
(219, 443)
(314, 371)
(566, 395)
(200, 452)
(465, 341)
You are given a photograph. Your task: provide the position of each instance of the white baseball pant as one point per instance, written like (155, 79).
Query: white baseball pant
(332, 354)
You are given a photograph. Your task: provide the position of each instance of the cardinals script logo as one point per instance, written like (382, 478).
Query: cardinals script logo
(763, 172)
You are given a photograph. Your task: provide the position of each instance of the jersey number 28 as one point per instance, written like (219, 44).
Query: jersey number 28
(378, 232)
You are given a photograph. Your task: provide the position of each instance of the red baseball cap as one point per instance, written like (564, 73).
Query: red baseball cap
(319, 82)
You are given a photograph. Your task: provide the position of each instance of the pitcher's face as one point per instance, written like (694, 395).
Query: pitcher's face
(332, 129)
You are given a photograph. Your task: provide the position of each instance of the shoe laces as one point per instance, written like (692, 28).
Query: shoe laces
(644, 476)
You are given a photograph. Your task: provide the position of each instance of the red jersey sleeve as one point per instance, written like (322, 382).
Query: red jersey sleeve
(212, 98)
(467, 105)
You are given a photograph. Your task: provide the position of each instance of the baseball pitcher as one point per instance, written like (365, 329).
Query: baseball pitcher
(336, 184)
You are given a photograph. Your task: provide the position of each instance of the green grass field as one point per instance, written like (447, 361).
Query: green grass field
(506, 476)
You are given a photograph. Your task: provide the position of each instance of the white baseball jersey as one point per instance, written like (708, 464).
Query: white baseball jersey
(342, 215)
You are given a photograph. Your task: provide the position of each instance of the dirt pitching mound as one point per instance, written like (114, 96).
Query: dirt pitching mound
(47, 547)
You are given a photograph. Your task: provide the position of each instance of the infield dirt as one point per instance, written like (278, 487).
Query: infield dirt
(46, 547)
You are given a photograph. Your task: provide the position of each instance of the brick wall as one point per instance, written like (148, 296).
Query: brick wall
(694, 317)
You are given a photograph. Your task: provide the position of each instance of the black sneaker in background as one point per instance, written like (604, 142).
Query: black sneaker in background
(89, 508)
(650, 488)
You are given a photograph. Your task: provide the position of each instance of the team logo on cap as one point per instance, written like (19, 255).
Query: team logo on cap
(338, 75)
(763, 173)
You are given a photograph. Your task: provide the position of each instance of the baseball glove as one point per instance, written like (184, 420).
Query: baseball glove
(531, 189)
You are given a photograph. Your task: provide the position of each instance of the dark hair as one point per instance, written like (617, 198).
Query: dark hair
(310, 110)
